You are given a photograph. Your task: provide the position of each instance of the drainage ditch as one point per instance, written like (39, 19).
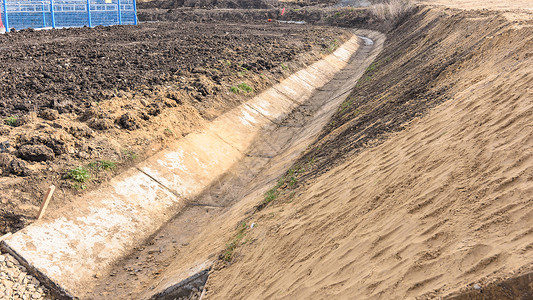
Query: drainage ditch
(166, 266)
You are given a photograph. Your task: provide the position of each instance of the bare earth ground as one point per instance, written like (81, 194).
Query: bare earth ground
(420, 186)
(104, 98)
(489, 4)
(443, 205)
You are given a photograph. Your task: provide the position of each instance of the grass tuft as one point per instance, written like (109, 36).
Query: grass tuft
(289, 180)
(168, 131)
(242, 87)
(103, 165)
(129, 154)
(334, 44)
(227, 255)
(245, 87)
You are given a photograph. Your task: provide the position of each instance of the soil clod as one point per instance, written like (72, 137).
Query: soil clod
(35, 153)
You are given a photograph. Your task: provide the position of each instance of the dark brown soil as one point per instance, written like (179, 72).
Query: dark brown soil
(317, 14)
(518, 287)
(229, 4)
(66, 70)
(104, 98)
(246, 4)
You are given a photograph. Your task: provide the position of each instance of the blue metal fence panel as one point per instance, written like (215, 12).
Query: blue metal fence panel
(20, 14)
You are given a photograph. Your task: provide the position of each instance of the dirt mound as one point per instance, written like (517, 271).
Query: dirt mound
(244, 4)
(487, 4)
(349, 17)
(103, 98)
(421, 185)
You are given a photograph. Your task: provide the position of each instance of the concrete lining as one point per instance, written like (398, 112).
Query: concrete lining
(105, 225)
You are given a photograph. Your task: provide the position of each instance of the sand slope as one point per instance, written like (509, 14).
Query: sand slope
(487, 4)
(442, 205)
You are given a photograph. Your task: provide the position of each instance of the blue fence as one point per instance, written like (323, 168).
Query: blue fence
(20, 14)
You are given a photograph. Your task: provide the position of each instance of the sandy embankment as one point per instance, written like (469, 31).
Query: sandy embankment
(440, 206)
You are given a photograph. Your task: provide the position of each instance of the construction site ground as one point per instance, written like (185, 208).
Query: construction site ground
(420, 185)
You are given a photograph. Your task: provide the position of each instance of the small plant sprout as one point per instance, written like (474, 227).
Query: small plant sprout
(242, 87)
(79, 174)
(79, 186)
(227, 255)
(103, 165)
(334, 44)
(11, 121)
(288, 181)
(346, 104)
(270, 195)
(130, 154)
(245, 87)
(242, 72)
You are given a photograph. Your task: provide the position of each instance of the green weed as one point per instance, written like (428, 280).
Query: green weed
(79, 174)
(168, 131)
(335, 16)
(290, 179)
(345, 105)
(242, 72)
(334, 44)
(79, 186)
(270, 196)
(11, 121)
(242, 87)
(371, 70)
(373, 66)
(102, 165)
(227, 255)
(245, 87)
(234, 89)
(129, 154)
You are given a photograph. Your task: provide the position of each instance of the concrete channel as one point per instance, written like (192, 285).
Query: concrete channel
(244, 150)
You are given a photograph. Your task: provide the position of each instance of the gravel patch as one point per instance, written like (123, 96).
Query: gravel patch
(16, 283)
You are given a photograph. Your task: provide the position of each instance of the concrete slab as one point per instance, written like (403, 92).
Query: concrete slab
(272, 105)
(322, 68)
(192, 163)
(312, 77)
(239, 126)
(69, 250)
